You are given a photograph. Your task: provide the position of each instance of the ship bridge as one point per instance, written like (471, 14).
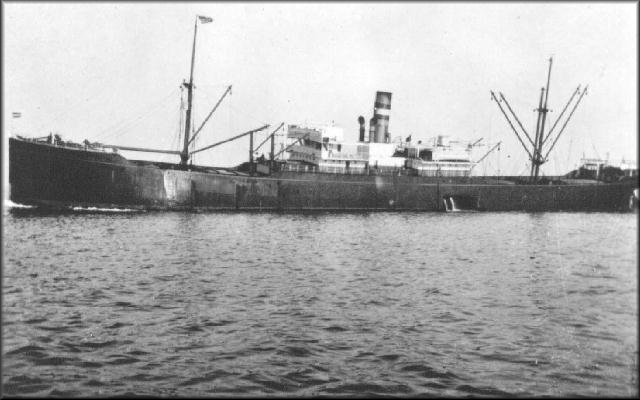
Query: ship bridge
(322, 149)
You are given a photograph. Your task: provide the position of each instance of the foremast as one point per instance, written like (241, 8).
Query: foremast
(188, 139)
(184, 155)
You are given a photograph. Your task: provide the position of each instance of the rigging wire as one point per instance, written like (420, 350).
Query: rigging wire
(127, 129)
(254, 119)
(116, 130)
(133, 123)
(230, 119)
(569, 149)
(72, 108)
(123, 123)
(119, 124)
(181, 117)
(193, 119)
(498, 158)
(248, 115)
(88, 100)
(175, 141)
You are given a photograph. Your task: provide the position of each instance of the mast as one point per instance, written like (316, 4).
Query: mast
(535, 159)
(184, 156)
(543, 112)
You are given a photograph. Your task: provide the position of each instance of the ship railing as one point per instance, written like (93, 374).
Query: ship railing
(56, 140)
(443, 173)
(349, 171)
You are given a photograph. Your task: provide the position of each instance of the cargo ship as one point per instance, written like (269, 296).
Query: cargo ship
(322, 171)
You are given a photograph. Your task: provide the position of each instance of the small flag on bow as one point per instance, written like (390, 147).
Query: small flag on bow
(205, 20)
(16, 115)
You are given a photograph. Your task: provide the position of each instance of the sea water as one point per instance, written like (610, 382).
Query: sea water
(339, 304)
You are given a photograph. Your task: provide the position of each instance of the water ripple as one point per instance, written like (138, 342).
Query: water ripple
(180, 304)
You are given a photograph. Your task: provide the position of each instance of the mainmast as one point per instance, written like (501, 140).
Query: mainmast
(542, 117)
(539, 141)
(184, 155)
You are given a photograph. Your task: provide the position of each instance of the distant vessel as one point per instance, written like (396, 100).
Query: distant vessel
(322, 172)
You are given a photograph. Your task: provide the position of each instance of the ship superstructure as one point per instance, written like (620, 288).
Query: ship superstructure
(323, 149)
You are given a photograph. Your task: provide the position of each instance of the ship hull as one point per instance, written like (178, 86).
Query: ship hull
(53, 176)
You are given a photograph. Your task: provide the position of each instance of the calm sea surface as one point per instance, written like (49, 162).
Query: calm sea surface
(243, 304)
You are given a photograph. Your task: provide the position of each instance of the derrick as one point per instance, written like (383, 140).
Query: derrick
(539, 145)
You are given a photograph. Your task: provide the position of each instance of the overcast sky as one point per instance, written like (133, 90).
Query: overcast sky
(111, 72)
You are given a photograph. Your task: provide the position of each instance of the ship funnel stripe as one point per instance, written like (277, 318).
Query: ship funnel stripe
(379, 112)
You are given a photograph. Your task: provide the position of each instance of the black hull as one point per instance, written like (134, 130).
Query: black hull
(52, 176)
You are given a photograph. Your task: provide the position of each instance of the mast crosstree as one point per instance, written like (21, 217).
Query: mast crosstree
(536, 150)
